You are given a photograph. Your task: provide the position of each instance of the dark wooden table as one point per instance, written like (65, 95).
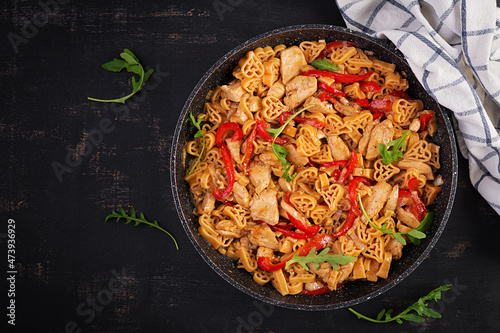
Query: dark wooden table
(76, 273)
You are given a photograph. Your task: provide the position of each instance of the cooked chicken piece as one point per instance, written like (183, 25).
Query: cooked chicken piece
(392, 202)
(234, 149)
(260, 175)
(407, 218)
(208, 204)
(319, 106)
(395, 248)
(262, 235)
(239, 116)
(263, 251)
(284, 185)
(348, 109)
(299, 89)
(241, 195)
(422, 167)
(277, 90)
(325, 273)
(264, 207)
(374, 203)
(363, 142)
(294, 157)
(292, 60)
(340, 151)
(381, 133)
(234, 91)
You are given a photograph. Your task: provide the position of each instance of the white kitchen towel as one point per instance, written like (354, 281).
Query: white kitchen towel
(453, 47)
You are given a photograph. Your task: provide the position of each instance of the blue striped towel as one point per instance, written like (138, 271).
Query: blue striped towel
(453, 47)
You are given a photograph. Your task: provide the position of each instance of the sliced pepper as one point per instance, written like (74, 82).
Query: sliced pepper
(261, 131)
(352, 191)
(400, 94)
(415, 203)
(377, 114)
(319, 242)
(331, 90)
(238, 134)
(424, 119)
(348, 223)
(284, 116)
(352, 164)
(267, 265)
(228, 163)
(384, 105)
(290, 233)
(298, 223)
(249, 150)
(335, 45)
(341, 163)
(369, 86)
(328, 97)
(338, 77)
(362, 102)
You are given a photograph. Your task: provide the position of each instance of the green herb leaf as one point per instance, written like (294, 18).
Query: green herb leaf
(420, 307)
(414, 235)
(133, 218)
(132, 64)
(392, 155)
(197, 135)
(280, 151)
(333, 259)
(323, 64)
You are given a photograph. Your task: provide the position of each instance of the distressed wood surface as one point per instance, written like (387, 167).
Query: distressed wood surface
(78, 274)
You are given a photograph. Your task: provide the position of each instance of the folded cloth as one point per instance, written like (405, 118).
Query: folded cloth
(453, 47)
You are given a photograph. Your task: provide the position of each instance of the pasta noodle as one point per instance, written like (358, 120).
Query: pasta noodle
(247, 208)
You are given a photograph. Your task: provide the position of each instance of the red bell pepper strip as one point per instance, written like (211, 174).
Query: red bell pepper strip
(413, 184)
(328, 97)
(249, 150)
(415, 203)
(352, 191)
(319, 242)
(341, 163)
(261, 131)
(424, 119)
(313, 229)
(228, 203)
(313, 164)
(336, 175)
(331, 90)
(319, 291)
(339, 77)
(384, 105)
(348, 223)
(290, 233)
(377, 115)
(400, 94)
(226, 158)
(238, 134)
(362, 102)
(266, 264)
(335, 45)
(284, 116)
(369, 86)
(352, 163)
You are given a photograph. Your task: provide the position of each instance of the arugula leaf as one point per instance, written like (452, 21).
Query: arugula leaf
(395, 152)
(137, 220)
(333, 259)
(420, 307)
(197, 135)
(414, 235)
(130, 62)
(280, 151)
(323, 64)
